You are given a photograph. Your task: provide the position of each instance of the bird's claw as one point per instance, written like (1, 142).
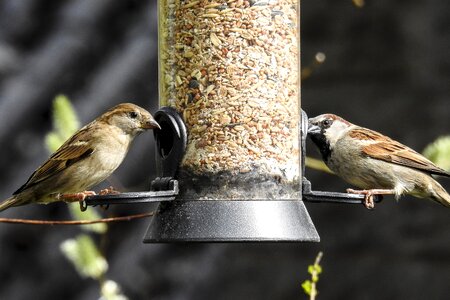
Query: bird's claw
(368, 197)
(80, 197)
(109, 191)
(83, 205)
(77, 197)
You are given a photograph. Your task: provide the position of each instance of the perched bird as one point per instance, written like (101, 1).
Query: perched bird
(85, 159)
(374, 162)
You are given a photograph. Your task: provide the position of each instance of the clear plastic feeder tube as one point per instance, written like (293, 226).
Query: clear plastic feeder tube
(232, 70)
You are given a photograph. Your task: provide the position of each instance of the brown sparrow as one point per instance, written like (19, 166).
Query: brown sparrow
(85, 159)
(374, 162)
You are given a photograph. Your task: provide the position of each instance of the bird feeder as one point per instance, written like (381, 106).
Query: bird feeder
(231, 147)
(231, 70)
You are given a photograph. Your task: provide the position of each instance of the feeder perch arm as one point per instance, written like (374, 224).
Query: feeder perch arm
(332, 197)
(163, 189)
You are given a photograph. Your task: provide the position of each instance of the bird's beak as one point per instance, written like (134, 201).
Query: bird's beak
(312, 128)
(150, 124)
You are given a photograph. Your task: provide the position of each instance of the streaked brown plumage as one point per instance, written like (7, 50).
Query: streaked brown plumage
(374, 162)
(85, 159)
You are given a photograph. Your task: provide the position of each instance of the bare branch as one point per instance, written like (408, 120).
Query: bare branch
(78, 222)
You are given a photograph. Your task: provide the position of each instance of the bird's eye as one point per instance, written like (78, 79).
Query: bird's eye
(326, 123)
(133, 115)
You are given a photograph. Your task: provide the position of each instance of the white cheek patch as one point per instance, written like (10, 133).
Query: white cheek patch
(334, 133)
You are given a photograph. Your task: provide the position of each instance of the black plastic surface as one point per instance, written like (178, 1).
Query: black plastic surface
(157, 194)
(332, 197)
(171, 141)
(231, 221)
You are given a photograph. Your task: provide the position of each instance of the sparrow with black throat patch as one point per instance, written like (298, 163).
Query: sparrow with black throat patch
(374, 162)
(85, 159)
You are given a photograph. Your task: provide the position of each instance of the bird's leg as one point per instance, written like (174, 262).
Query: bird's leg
(109, 191)
(80, 197)
(368, 195)
(77, 197)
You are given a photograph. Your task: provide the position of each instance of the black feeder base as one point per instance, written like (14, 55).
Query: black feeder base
(231, 221)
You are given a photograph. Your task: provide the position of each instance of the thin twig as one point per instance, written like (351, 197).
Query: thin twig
(79, 222)
(318, 258)
(314, 291)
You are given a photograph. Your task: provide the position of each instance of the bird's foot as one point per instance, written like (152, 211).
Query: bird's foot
(77, 197)
(109, 191)
(368, 195)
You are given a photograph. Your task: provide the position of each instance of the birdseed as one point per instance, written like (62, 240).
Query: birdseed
(231, 68)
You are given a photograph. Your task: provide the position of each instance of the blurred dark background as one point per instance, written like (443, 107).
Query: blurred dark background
(387, 68)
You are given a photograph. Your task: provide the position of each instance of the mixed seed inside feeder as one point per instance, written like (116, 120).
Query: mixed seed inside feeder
(231, 69)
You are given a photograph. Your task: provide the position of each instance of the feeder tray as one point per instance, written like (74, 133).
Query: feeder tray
(184, 220)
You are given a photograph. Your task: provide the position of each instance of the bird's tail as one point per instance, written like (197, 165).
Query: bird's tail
(440, 195)
(11, 201)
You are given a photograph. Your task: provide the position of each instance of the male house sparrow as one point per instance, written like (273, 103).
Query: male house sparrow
(85, 159)
(374, 162)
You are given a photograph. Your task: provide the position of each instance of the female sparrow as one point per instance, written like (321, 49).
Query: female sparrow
(374, 162)
(85, 159)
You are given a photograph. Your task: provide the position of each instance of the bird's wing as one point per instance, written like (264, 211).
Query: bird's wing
(385, 148)
(73, 150)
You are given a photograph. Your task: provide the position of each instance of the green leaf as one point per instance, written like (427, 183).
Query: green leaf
(85, 256)
(53, 141)
(65, 123)
(439, 152)
(314, 269)
(318, 269)
(307, 287)
(65, 120)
